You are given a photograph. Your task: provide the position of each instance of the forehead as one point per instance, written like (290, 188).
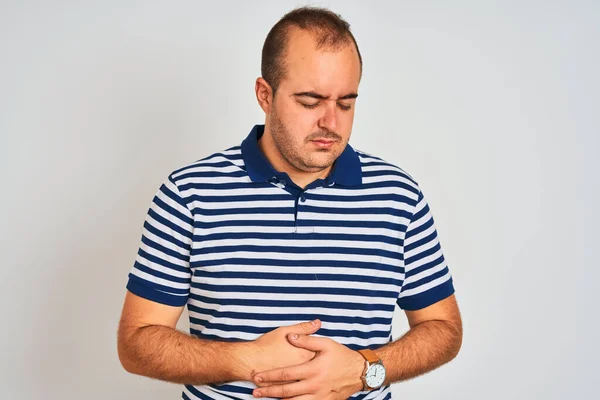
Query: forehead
(326, 71)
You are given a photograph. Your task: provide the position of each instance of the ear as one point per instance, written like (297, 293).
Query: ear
(264, 94)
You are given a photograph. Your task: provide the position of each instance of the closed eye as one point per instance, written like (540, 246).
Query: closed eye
(310, 106)
(343, 107)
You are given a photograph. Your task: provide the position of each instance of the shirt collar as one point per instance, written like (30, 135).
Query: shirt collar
(346, 169)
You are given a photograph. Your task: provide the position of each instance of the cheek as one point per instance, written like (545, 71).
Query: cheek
(295, 116)
(303, 122)
(345, 122)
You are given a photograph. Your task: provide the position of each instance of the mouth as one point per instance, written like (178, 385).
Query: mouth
(323, 143)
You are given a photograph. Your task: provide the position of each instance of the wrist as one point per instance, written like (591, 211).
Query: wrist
(243, 361)
(358, 369)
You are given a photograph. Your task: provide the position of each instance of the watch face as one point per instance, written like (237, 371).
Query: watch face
(375, 375)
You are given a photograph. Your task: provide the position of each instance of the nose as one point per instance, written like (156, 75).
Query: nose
(329, 118)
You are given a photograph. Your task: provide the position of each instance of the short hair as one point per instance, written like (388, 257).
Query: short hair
(331, 31)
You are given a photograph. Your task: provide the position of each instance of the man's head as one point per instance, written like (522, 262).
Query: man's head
(311, 69)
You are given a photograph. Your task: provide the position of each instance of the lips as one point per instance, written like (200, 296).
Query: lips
(322, 143)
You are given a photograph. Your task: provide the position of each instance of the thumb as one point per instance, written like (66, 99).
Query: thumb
(305, 328)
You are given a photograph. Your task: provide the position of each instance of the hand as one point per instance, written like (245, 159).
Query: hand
(334, 373)
(273, 350)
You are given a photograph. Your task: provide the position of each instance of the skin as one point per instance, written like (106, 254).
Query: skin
(288, 362)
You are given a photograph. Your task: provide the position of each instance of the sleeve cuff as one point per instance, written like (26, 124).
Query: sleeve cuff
(144, 290)
(427, 298)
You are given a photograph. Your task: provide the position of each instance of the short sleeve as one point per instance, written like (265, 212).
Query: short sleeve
(427, 278)
(161, 271)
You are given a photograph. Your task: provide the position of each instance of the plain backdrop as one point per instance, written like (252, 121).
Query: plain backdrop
(491, 105)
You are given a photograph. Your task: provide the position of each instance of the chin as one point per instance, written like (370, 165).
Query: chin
(316, 166)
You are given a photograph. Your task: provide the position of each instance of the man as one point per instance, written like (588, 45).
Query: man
(292, 249)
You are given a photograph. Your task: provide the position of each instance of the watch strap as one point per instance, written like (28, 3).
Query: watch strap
(370, 356)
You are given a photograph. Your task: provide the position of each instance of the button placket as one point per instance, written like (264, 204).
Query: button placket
(299, 228)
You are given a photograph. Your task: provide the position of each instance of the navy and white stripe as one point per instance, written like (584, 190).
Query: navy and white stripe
(248, 251)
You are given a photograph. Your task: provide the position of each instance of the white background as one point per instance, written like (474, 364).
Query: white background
(491, 105)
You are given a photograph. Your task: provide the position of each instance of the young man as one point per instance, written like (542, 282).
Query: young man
(292, 249)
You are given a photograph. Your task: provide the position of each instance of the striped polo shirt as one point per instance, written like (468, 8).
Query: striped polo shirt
(248, 251)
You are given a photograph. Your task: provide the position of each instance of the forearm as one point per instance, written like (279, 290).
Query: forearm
(423, 348)
(167, 354)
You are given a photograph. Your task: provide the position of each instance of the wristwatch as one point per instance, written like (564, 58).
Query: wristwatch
(374, 374)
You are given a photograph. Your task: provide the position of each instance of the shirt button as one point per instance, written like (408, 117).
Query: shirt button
(302, 198)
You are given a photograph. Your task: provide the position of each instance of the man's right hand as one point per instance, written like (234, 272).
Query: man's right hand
(273, 350)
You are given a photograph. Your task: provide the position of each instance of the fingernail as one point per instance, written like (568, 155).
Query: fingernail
(294, 336)
(315, 322)
(257, 394)
(258, 379)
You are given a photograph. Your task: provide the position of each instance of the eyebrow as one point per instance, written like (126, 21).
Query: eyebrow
(316, 95)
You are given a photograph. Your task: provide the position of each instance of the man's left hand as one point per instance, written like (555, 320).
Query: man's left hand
(334, 373)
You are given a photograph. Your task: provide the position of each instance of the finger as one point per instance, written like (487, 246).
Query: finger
(267, 384)
(312, 343)
(284, 391)
(305, 328)
(279, 375)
